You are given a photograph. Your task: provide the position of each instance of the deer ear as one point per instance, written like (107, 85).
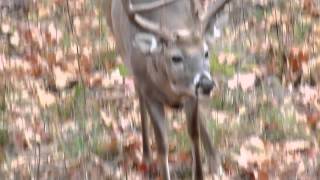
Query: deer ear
(212, 34)
(146, 43)
(215, 27)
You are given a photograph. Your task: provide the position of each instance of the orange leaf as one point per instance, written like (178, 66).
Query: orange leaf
(313, 118)
(262, 175)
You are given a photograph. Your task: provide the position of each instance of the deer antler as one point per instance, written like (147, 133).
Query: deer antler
(214, 9)
(195, 6)
(154, 28)
(132, 11)
(147, 6)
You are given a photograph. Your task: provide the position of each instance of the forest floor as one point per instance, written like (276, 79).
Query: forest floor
(68, 109)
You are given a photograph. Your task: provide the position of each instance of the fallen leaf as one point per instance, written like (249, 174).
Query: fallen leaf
(308, 93)
(177, 126)
(227, 58)
(55, 35)
(15, 39)
(296, 145)
(5, 28)
(62, 78)
(313, 118)
(255, 142)
(246, 81)
(262, 175)
(45, 98)
(106, 119)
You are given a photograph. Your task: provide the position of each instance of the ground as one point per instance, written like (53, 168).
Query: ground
(68, 108)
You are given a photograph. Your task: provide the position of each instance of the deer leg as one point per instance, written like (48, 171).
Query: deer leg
(145, 131)
(213, 157)
(156, 112)
(193, 131)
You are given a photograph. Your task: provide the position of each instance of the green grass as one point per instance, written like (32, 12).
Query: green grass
(104, 58)
(259, 14)
(279, 126)
(4, 137)
(3, 105)
(216, 131)
(66, 40)
(224, 69)
(222, 101)
(75, 146)
(182, 138)
(301, 30)
(123, 70)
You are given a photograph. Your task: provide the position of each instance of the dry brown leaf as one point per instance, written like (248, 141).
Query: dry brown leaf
(51, 58)
(15, 39)
(95, 80)
(55, 35)
(313, 118)
(3, 62)
(45, 98)
(85, 64)
(107, 120)
(132, 142)
(177, 126)
(5, 28)
(227, 58)
(246, 81)
(20, 160)
(255, 142)
(297, 145)
(77, 25)
(262, 175)
(43, 11)
(62, 78)
(252, 153)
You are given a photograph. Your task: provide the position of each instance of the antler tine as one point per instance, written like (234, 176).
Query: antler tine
(132, 11)
(147, 6)
(154, 28)
(195, 5)
(214, 9)
(144, 23)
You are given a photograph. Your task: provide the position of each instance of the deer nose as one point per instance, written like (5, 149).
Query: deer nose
(206, 84)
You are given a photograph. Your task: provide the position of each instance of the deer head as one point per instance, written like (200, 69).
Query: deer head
(179, 56)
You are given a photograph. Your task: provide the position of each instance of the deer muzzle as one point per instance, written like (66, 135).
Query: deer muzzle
(204, 83)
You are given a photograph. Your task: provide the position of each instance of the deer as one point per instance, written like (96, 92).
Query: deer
(164, 45)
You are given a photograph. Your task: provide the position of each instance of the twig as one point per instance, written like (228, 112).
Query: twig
(38, 163)
(78, 52)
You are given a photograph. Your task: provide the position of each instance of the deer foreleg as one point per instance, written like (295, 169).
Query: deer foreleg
(212, 154)
(191, 108)
(156, 112)
(145, 131)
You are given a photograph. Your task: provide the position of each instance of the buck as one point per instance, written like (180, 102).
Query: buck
(163, 44)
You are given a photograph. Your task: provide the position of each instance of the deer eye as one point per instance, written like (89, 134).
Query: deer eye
(206, 55)
(177, 59)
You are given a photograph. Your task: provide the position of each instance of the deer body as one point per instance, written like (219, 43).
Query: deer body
(162, 43)
(124, 32)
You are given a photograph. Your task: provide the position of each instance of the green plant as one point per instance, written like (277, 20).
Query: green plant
(75, 146)
(301, 30)
(223, 69)
(123, 70)
(279, 126)
(105, 57)
(4, 137)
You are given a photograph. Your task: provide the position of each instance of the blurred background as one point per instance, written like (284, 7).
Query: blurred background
(68, 108)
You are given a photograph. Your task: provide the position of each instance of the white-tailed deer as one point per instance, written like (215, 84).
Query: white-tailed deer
(163, 44)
